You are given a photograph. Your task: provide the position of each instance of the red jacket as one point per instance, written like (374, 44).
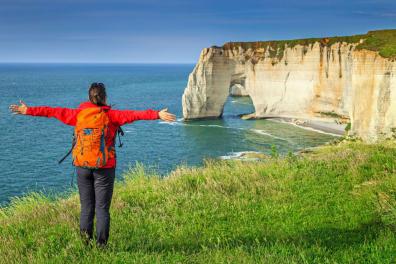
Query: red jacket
(117, 119)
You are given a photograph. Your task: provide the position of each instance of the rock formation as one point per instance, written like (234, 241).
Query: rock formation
(315, 78)
(238, 90)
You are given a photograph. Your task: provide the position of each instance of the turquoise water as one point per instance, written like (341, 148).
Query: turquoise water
(33, 145)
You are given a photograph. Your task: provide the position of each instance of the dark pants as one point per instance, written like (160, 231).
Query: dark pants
(96, 190)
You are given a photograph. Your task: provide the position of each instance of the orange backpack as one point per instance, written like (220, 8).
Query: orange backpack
(91, 129)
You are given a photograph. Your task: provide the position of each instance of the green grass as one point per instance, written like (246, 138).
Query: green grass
(381, 41)
(333, 205)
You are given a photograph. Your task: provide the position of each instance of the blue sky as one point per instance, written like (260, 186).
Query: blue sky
(170, 31)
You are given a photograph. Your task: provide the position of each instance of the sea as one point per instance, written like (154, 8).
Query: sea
(32, 146)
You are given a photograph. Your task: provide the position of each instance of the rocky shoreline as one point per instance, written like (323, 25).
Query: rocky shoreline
(321, 125)
(327, 127)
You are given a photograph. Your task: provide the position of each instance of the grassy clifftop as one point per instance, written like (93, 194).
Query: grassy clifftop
(382, 41)
(336, 204)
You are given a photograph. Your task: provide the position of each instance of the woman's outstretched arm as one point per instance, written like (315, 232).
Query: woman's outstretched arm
(122, 117)
(65, 115)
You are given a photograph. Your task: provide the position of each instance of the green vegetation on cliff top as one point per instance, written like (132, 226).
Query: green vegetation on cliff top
(382, 41)
(336, 204)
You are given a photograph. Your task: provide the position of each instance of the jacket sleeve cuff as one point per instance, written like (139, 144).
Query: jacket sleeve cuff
(29, 111)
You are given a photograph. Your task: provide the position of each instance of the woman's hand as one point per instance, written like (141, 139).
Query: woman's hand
(168, 117)
(19, 109)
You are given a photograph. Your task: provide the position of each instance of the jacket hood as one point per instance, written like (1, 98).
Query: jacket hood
(89, 105)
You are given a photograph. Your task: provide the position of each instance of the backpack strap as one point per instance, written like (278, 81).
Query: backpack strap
(70, 151)
(120, 133)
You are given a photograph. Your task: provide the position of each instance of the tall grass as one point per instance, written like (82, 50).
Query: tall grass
(334, 205)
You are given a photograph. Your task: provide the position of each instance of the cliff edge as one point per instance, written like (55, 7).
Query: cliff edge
(344, 79)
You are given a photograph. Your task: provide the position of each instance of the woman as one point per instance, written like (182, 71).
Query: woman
(95, 185)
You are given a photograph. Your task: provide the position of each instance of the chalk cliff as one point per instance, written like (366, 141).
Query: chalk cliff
(333, 78)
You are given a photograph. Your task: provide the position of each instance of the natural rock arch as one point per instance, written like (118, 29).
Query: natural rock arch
(307, 81)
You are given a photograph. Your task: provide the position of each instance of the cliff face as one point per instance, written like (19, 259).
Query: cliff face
(300, 81)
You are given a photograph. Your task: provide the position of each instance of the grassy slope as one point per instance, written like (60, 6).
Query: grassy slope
(336, 204)
(383, 41)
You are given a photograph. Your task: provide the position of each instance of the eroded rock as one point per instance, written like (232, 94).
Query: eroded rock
(301, 82)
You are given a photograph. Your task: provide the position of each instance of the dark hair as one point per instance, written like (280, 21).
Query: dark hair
(97, 94)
